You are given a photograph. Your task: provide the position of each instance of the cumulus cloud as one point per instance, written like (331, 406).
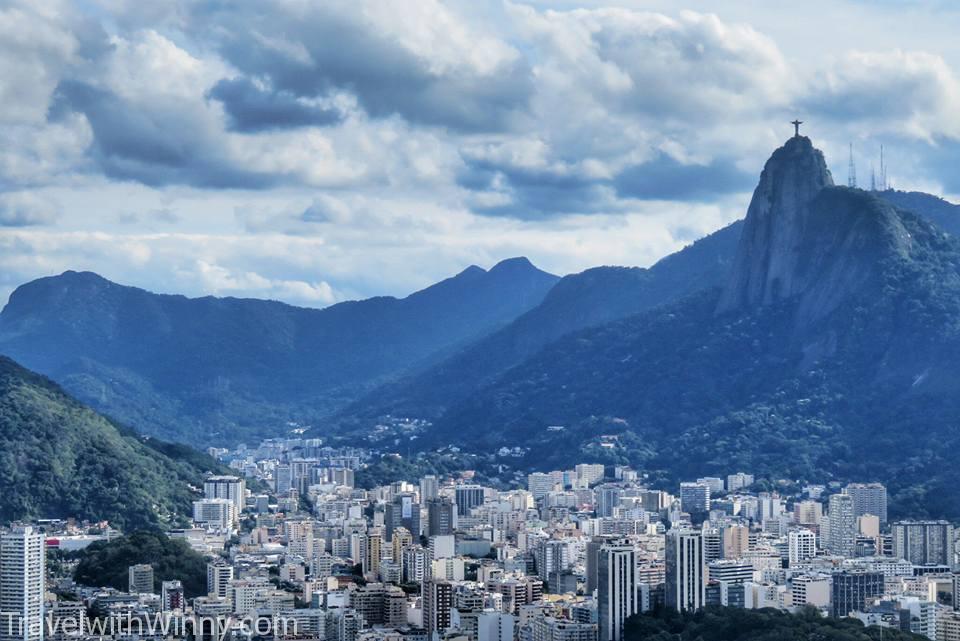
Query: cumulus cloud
(418, 60)
(910, 93)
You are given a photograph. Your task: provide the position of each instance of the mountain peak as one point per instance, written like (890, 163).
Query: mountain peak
(767, 258)
(518, 263)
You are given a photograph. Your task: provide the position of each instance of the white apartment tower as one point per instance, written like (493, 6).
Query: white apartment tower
(22, 574)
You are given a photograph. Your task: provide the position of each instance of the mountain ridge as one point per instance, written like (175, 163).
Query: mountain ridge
(59, 458)
(210, 369)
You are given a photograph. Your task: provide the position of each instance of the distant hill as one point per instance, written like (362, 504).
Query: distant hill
(59, 459)
(588, 299)
(221, 370)
(940, 212)
(829, 352)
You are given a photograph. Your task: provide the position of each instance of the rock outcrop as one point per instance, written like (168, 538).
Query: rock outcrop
(808, 241)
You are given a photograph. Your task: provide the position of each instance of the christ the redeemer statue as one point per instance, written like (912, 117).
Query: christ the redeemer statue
(796, 127)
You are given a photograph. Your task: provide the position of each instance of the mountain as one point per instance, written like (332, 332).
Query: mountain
(940, 212)
(829, 353)
(219, 370)
(588, 299)
(59, 458)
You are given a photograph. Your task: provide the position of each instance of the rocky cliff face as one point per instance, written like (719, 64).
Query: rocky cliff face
(808, 241)
(769, 250)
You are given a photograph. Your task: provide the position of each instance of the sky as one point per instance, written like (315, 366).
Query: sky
(319, 151)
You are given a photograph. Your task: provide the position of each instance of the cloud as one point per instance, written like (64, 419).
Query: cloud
(665, 178)
(253, 108)
(25, 210)
(418, 60)
(909, 93)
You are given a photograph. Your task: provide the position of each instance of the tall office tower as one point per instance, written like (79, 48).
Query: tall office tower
(808, 512)
(617, 594)
(171, 596)
(695, 498)
(437, 601)
(540, 484)
(923, 542)
(736, 541)
(592, 561)
(468, 497)
(22, 576)
(607, 498)
(842, 535)
(441, 517)
(712, 544)
(801, 546)
(685, 569)
(739, 481)
(219, 576)
(850, 591)
(403, 512)
(868, 498)
(232, 488)
(140, 579)
(429, 488)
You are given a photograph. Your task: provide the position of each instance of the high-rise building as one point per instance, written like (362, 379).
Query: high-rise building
(171, 596)
(441, 517)
(215, 513)
(219, 576)
(736, 541)
(540, 484)
(552, 556)
(617, 594)
(232, 488)
(714, 483)
(429, 488)
(851, 590)
(607, 499)
(712, 544)
(923, 542)
(868, 498)
(739, 481)
(140, 579)
(22, 584)
(437, 602)
(808, 512)
(695, 498)
(403, 512)
(685, 570)
(842, 534)
(468, 497)
(589, 473)
(801, 546)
